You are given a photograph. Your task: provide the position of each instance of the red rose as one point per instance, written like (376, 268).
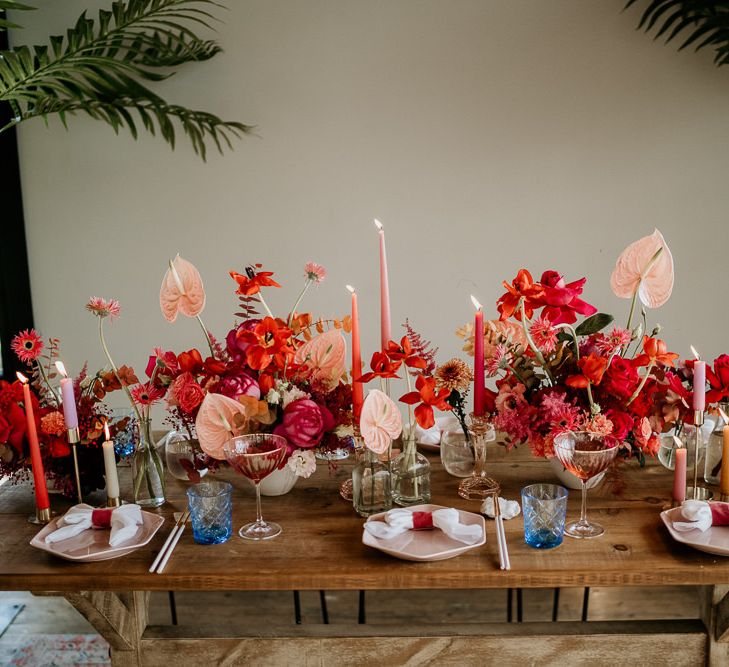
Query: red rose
(621, 378)
(17, 425)
(186, 393)
(304, 423)
(58, 447)
(622, 423)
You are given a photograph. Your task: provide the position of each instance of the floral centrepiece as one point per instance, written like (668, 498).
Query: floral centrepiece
(282, 375)
(561, 366)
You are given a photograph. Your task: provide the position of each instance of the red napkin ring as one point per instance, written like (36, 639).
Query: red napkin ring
(422, 520)
(719, 514)
(101, 518)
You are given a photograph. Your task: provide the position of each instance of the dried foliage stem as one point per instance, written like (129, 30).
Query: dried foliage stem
(116, 371)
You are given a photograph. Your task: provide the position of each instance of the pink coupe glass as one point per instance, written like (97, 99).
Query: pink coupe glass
(256, 456)
(585, 455)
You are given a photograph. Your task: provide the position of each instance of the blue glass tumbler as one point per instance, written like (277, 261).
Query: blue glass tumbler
(211, 511)
(544, 507)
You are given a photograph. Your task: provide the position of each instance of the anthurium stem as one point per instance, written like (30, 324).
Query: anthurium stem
(207, 336)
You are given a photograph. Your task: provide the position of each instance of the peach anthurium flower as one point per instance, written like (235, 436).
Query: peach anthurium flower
(217, 422)
(645, 266)
(325, 356)
(182, 290)
(380, 421)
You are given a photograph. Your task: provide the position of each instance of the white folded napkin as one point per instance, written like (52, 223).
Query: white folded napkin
(509, 508)
(701, 515)
(124, 522)
(400, 521)
(427, 436)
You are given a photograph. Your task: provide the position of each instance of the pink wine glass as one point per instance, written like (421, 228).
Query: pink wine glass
(585, 455)
(256, 456)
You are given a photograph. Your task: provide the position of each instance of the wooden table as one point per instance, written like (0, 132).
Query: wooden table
(320, 549)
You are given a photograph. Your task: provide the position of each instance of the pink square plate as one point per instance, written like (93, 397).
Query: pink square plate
(713, 541)
(425, 545)
(93, 545)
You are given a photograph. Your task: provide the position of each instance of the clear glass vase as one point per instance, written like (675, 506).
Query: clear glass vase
(147, 471)
(714, 448)
(410, 476)
(371, 485)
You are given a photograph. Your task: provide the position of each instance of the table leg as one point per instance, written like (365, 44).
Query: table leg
(120, 618)
(715, 615)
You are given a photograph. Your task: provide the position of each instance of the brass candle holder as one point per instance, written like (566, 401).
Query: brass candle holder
(74, 437)
(697, 492)
(479, 485)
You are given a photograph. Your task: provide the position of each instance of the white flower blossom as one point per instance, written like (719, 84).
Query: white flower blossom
(302, 462)
(273, 397)
(292, 394)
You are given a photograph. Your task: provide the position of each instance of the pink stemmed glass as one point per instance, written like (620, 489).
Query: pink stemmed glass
(256, 456)
(585, 455)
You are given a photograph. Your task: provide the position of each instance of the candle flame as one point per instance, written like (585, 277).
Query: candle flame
(351, 289)
(378, 224)
(22, 377)
(107, 435)
(61, 368)
(724, 416)
(676, 441)
(476, 303)
(697, 356)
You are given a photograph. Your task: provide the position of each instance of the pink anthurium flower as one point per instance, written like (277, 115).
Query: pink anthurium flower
(645, 268)
(325, 356)
(380, 421)
(182, 290)
(217, 422)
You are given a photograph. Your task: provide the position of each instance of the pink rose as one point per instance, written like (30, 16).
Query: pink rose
(186, 393)
(239, 385)
(643, 431)
(304, 423)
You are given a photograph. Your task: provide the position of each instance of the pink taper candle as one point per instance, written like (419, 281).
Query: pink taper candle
(39, 475)
(679, 475)
(357, 388)
(68, 398)
(385, 326)
(479, 380)
(699, 385)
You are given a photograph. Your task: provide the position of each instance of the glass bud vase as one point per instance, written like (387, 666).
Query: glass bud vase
(147, 471)
(714, 447)
(410, 476)
(371, 485)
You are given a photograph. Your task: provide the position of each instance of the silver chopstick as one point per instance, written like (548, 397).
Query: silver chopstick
(169, 539)
(174, 542)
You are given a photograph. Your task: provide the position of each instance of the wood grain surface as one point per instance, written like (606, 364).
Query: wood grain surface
(321, 548)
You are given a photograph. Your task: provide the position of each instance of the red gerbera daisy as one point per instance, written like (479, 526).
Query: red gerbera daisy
(27, 345)
(147, 393)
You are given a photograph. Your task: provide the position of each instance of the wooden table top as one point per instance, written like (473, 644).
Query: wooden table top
(321, 548)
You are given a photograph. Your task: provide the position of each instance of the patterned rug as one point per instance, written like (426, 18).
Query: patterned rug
(57, 651)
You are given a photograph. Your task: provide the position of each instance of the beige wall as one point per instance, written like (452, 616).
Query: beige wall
(486, 135)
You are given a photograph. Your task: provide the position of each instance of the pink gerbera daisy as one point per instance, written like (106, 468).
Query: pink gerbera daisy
(616, 339)
(103, 307)
(147, 393)
(544, 334)
(315, 272)
(27, 346)
(499, 359)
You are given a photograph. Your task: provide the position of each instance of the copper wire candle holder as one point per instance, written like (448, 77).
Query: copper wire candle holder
(479, 485)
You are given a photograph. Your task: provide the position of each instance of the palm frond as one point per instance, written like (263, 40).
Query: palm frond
(14, 6)
(98, 67)
(701, 23)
